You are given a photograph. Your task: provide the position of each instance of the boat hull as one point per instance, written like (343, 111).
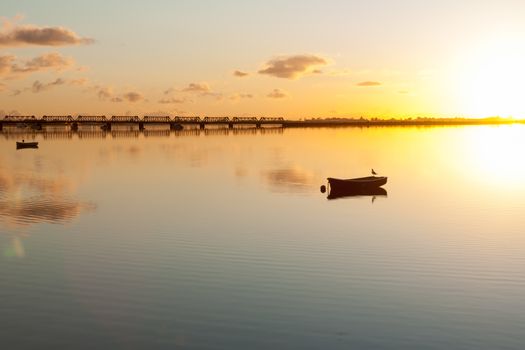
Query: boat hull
(362, 183)
(20, 145)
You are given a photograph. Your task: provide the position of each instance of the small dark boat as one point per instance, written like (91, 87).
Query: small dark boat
(26, 145)
(357, 183)
(176, 126)
(357, 192)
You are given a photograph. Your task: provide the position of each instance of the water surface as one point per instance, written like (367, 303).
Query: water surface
(221, 239)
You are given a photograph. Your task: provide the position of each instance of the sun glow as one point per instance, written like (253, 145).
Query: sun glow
(493, 155)
(491, 80)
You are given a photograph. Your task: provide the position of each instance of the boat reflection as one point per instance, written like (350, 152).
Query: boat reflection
(357, 192)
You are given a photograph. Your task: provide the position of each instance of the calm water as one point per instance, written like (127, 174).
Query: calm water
(222, 240)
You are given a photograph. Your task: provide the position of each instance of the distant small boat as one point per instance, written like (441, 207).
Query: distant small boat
(177, 126)
(26, 145)
(357, 183)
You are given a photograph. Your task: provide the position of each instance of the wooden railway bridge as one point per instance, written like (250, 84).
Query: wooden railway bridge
(175, 123)
(178, 123)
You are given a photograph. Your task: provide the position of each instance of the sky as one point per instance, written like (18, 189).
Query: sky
(293, 59)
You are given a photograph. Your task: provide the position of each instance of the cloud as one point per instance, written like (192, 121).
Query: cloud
(133, 96)
(171, 100)
(197, 87)
(6, 63)
(368, 83)
(201, 89)
(104, 92)
(39, 87)
(293, 67)
(14, 35)
(277, 93)
(53, 60)
(79, 81)
(169, 91)
(239, 96)
(340, 72)
(3, 87)
(12, 68)
(240, 74)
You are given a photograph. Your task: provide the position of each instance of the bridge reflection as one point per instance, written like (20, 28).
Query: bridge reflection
(97, 133)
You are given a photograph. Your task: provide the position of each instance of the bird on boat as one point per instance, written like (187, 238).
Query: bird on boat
(373, 172)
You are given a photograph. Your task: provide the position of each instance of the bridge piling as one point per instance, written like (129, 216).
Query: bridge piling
(141, 126)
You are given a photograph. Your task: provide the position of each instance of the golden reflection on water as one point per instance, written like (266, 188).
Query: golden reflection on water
(39, 187)
(494, 155)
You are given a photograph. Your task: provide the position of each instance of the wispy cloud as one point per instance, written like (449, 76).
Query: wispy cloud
(368, 83)
(106, 93)
(11, 67)
(202, 89)
(52, 60)
(79, 82)
(239, 96)
(6, 64)
(40, 87)
(14, 35)
(197, 88)
(169, 91)
(240, 74)
(293, 67)
(277, 93)
(133, 96)
(172, 100)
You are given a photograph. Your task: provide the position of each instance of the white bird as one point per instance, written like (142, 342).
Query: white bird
(373, 172)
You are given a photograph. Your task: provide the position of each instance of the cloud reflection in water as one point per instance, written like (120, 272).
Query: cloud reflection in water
(29, 199)
(289, 180)
(42, 210)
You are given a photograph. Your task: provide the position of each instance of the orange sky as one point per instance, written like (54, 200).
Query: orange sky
(235, 58)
